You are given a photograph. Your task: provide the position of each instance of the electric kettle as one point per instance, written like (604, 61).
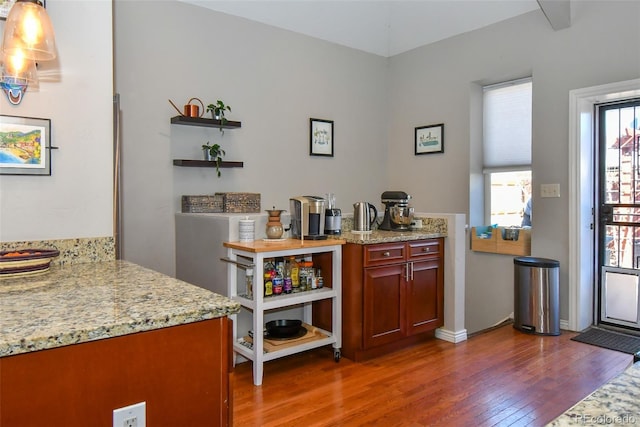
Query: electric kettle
(364, 215)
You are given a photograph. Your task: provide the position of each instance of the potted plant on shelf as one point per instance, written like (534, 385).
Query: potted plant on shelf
(213, 153)
(218, 109)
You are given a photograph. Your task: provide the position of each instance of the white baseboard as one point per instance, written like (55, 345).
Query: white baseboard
(451, 336)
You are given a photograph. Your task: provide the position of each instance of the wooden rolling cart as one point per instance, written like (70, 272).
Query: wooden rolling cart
(328, 253)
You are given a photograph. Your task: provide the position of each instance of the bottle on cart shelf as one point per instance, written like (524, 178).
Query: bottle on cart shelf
(287, 285)
(268, 284)
(319, 279)
(294, 270)
(313, 280)
(249, 291)
(278, 283)
(302, 277)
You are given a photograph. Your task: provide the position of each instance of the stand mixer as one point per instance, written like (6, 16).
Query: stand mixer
(397, 213)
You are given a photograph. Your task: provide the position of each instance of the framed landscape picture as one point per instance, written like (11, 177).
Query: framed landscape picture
(25, 146)
(429, 139)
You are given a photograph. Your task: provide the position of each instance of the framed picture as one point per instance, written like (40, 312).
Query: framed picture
(321, 137)
(25, 146)
(430, 139)
(5, 7)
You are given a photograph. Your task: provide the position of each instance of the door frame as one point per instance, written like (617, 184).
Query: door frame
(582, 266)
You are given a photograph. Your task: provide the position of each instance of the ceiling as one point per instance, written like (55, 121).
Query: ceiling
(384, 28)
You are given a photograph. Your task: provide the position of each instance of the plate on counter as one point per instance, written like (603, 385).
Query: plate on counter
(26, 261)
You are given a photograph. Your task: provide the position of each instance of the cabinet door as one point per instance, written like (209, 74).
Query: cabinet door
(384, 309)
(425, 297)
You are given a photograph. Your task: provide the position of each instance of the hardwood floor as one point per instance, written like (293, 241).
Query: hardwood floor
(500, 377)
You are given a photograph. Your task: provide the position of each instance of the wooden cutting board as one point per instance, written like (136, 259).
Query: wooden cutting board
(312, 334)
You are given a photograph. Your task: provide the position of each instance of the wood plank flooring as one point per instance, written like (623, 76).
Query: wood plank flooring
(497, 378)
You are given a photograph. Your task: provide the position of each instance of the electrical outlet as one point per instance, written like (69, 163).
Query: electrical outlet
(549, 190)
(130, 416)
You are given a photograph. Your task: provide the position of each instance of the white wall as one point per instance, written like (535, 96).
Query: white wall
(274, 80)
(75, 92)
(436, 83)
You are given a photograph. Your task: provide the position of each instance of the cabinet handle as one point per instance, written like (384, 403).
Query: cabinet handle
(406, 272)
(386, 254)
(426, 249)
(411, 271)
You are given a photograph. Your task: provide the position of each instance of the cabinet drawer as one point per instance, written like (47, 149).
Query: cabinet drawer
(387, 253)
(421, 249)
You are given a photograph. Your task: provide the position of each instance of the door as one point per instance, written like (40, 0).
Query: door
(618, 213)
(425, 299)
(384, 308)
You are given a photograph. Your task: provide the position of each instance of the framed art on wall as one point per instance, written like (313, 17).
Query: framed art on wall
(429, 139)
(25, 146)
(321, 137)
(5, 7)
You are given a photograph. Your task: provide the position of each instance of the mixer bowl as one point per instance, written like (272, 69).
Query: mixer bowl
(401, 215)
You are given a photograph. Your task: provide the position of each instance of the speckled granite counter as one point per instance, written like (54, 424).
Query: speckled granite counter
(85, 302)
(615, 403)
(431, 228)
(381, 236)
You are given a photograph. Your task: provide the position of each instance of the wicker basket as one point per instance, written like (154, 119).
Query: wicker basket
(203, 204)
(240, 202)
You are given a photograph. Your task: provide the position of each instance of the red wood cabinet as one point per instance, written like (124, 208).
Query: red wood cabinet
(183, 373)
(393, 295)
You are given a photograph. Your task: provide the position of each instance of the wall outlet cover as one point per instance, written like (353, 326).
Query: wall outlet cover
(130, 416)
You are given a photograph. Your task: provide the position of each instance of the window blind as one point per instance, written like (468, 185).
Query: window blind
(507, 124)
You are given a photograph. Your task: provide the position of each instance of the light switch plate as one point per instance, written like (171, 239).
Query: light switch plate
(549, 190)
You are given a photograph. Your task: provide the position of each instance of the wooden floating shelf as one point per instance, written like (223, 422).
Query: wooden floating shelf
(498, 245)
(201, 121)
(206, 163)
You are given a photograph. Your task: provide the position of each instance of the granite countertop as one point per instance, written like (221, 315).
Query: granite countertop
(77, 303)
(431, 228)
(382, 236)
(615, 403)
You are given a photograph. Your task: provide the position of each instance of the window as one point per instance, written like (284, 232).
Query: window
(507, 150)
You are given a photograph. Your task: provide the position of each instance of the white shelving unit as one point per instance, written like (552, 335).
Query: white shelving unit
(254, 254)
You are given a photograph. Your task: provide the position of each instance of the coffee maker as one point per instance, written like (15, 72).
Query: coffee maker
(307, 217)
(392, 199)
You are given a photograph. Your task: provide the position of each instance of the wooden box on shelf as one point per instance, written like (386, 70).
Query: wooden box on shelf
(490, 239)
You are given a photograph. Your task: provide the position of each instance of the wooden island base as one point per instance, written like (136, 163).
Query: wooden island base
(183, 373)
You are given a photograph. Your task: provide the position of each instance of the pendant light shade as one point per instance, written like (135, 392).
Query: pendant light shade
(28, 32)
(17, 69)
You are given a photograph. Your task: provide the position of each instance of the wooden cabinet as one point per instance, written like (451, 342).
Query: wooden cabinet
(393, 295)
(183, 373)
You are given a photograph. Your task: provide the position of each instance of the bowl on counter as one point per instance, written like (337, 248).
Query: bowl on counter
(401, 215)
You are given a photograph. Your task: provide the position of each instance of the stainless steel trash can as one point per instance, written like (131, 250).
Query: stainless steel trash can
(536, 295)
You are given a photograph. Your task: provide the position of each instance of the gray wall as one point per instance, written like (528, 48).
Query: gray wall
(440, 82)
(276, 80)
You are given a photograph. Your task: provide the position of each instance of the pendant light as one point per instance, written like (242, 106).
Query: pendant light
(28, 37)
(28, 31)
(18, 73)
